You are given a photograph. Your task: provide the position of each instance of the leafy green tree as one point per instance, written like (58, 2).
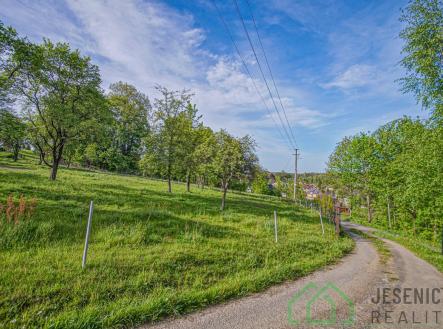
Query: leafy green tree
(355, 162)
(260, 184)
(12, 132)
(420, 170)
(234, 158)
(250, 165)
(62, 96)
(14, 52)
(172, 116)
(227, 162)
(193, 134)
(424, 52)
(131, 110)
(204, 154)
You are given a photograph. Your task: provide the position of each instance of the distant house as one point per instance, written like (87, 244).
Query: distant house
(312, 192)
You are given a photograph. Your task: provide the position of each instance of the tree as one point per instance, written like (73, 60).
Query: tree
(12, 132)
(14, 52)
(171, 115)
(204, 154)
(227, 161)
(234, 158)
(355, 162)
(424, 52)
(130, 109)
(60, 91)
(260, 184)
(193, 134)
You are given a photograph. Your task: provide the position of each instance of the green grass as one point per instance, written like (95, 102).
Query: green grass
(380, 246)
(151, 254)
(423, 248)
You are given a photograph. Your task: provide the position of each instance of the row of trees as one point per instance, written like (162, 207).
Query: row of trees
(67, 118)
(398, 169)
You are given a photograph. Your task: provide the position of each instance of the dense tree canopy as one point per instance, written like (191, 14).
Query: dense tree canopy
(131, 110)
(60, 94)
(68, 120)
(398, 169)
(424, 52)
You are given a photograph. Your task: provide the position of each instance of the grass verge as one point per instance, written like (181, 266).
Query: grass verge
(380, 246)
(425, 250)
(152, 254)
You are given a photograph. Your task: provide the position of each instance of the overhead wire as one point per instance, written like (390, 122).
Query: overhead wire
(245, 66)
(270, 72)
(262, 73)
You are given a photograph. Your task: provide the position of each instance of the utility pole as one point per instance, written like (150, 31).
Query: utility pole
(296, 154)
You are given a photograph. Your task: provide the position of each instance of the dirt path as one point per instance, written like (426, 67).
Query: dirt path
(356, 281)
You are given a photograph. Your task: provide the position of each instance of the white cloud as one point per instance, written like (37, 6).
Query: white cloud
(148, 43)
(358, 75)
(145, 43)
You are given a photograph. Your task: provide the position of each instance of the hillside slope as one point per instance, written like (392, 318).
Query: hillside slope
(151, 254)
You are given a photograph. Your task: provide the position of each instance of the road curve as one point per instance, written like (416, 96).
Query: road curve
(359, 276)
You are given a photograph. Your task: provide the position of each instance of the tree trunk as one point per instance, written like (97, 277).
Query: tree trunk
(40, 161)
(368, 203)
(15, 153)
(225, 189)
(337, 224)
(169, 177)
(169, 184)
(56, 158)
(54, 170)
(414, 217)
(188, 182)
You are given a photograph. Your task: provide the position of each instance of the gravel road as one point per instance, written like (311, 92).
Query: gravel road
(359, 278)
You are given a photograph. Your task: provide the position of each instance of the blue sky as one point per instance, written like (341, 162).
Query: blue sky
(335, 62)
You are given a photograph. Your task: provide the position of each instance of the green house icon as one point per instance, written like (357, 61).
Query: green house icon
(322, 294)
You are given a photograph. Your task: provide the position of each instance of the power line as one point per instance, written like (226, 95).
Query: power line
(261, 71)
(270, 71)
(246, 68)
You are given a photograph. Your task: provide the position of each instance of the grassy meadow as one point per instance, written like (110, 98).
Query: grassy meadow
(151, 254)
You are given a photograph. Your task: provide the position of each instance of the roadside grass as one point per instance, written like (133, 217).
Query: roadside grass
(425, 249)
(380, 246)
(152, 254)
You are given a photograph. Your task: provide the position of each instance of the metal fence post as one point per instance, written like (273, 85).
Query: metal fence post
(275, 226)
(88, 231)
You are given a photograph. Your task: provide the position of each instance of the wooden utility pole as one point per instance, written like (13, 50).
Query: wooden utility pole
(337, 209)
(296, 154)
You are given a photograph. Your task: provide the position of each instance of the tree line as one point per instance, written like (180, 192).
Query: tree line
(51, 101)
(396, 172)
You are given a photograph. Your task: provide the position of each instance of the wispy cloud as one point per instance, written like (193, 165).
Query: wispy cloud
(326, 55)
(358, 75)
(148, 43)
